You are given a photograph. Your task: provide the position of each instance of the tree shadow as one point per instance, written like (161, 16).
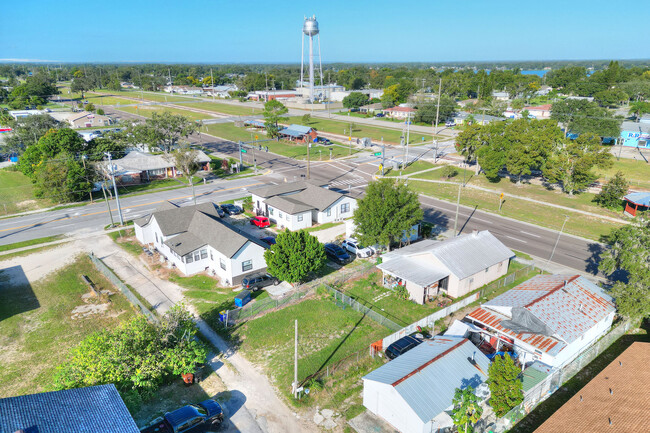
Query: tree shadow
(596, 250)
(16, 294)
(438, 218)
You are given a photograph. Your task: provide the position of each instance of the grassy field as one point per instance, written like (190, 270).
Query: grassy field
(636, 172)
(578, 224)
(155, 97)
(219, 107)
(37, 328)
(327, 334)
(361, 130)
(148, 110)
(412, 168)
(293, 150)
(30, 242)
(17, 193)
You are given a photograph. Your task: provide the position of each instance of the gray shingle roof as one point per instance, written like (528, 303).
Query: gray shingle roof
(197, 226)
(282, 188)
(139, 161)
(95, 409)
(643, 127)
(427, 376)
(288, 204)
(464, 255)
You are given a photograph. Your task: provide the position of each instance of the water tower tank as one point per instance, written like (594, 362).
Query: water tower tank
(310, 28)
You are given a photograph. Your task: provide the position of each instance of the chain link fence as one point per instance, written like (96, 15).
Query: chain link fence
(345, 300)
(548, 386)
(108, 273)
(507, 280)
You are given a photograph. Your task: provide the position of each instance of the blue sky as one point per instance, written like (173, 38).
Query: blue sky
(352, 31)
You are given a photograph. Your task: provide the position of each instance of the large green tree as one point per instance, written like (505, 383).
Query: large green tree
(61, 179)
(467, 410)
(426, 112)
(273, 111)
(355, 100)
(582, 117)
(387, 211)
(294, 256)
(54, 142)
(571, 162)
(611, 194)
(28, 130)
(164, 131)
(505, 385)
(628, 250)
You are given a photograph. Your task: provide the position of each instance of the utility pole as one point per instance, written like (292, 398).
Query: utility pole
(383, 155)
(241, 162)
(117, 198)
(295, 362)
(110, 214)
(435, 129)
(406, 145)
(457, 209)
(308, 152)
(90, 193)
(566, 218)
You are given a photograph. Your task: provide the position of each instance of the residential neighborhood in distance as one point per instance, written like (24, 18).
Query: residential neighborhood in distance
(213, 226)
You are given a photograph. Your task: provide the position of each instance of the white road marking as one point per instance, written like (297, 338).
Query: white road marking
(530, 234)
(482, 220)
(516, 239)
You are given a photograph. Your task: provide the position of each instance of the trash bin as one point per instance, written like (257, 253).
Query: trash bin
(243, 298)
(222, 316)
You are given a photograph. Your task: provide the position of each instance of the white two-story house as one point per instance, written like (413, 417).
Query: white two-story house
(298, 205)
(195, 239)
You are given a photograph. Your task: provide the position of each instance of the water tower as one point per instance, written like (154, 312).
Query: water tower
(310, 29)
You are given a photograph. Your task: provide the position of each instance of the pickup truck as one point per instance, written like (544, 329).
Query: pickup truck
(194, 418)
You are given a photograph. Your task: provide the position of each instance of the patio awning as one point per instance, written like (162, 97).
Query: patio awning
(639, 198)
(412, 270)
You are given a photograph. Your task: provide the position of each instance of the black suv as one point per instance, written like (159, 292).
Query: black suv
(336, 253)
(401, 346)
(256, 282)
(231, 209)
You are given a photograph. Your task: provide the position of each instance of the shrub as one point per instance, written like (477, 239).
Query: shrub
(448, 171)
(100, 111)
(402, 293)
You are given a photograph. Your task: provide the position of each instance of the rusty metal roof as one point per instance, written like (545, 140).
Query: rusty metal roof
(568, 305)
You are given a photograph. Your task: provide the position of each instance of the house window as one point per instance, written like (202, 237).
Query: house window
(247, 265)
(299, 217)
(345, 207)
(471, 280)
(211, 257)
(329, 211)
(189, 258)
(204, 254)
(280, 215)
(270, 211)
(288, 217)
(156, 237)
(197, 256)
(222, 264)
(487, 269)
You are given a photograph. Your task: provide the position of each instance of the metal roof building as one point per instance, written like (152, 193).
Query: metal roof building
(466, 262)
(95, 409)
(550, 318)
(414, 391)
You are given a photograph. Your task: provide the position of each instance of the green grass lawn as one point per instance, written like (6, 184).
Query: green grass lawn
(17, 193)
(37, 329)
(155, 97)
(327, 332)
(361, 130)
(30, 242)
(578, 224)
(148, 110)
(412, 168)
(126, 239)
(636, 172)
(220, 107)
(293, 150)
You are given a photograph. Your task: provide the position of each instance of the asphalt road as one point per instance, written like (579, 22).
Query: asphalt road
(350, 175)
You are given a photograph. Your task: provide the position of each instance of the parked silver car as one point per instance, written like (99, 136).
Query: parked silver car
(352, 245)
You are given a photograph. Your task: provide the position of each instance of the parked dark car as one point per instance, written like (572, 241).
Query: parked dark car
(231, 209)
(401, 346)
(323, 140)
(220, 212)
(380, 115)
(270, 240)
(193, 418)
(337, 254)
(256, 282)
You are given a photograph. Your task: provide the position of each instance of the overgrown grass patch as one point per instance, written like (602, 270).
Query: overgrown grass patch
(30, 242)
(36, 325)
(17, 193)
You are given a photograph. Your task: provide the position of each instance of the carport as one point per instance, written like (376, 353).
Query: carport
(637, 201)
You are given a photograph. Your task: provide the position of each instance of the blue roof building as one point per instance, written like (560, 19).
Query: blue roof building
(636, 134)
(414, 392)
(95, 409)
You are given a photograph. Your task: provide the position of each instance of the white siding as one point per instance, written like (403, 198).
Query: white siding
(252, 252)
(385, 402)
(335, 213)
(285, 220)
